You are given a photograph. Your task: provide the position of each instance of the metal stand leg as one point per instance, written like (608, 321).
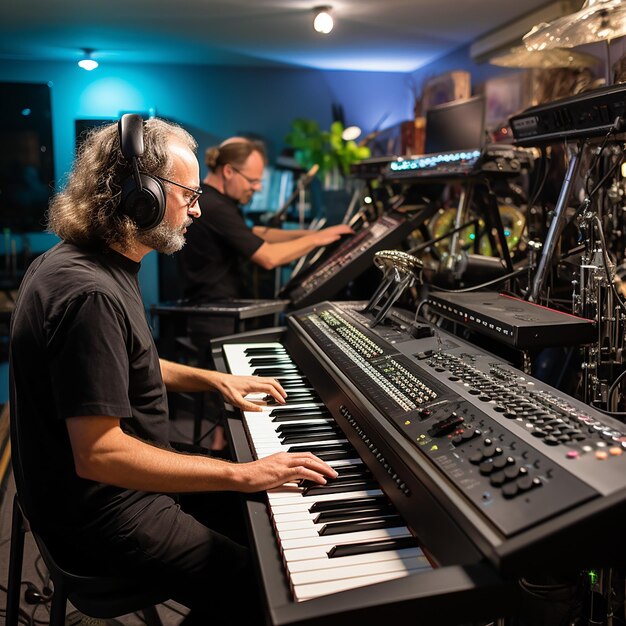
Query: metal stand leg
(556, 228)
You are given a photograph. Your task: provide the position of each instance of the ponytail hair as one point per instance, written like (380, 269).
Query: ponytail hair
(233, 151)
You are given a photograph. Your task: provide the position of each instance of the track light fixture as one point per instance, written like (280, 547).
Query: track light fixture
(87, 63)
(323, 22)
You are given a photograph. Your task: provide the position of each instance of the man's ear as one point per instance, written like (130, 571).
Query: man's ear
(227, 171)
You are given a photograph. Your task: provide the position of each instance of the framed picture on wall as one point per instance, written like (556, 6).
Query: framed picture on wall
(447, 87)
(506, 95)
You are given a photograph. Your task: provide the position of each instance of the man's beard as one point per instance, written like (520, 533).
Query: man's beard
(164, 238)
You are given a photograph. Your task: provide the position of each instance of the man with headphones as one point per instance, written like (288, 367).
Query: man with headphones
(89, 391)
(211, 260)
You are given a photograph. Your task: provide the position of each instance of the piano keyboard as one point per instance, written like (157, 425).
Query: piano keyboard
(334, 537)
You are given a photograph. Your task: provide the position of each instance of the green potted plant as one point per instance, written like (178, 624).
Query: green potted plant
(326, 148)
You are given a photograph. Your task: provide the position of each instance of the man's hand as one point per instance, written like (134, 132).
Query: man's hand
(283, 467)
(234, 388)
(332, 233)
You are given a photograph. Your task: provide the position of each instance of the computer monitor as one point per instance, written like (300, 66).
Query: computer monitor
(458, 125)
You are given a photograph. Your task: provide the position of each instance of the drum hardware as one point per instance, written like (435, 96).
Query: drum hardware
(512, 221)
(556, 227)
(595, 296)
(598, 20)
(552, 58)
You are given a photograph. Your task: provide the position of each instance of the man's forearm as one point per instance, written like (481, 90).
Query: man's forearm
(178, 377)
(276, 235)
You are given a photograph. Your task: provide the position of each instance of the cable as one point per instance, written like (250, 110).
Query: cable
(495, 281)
(613, 387)
(605, 261)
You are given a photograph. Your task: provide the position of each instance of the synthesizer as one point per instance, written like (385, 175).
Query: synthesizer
(513, 321)
(493, 473)
(240, 309)
(585, 115)
(351, 258)
(493, 159)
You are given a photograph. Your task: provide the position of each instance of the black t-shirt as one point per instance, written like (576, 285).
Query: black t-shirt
(81, 346)
(216, 243)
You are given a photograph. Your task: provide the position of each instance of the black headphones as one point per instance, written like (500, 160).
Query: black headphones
(143, 196)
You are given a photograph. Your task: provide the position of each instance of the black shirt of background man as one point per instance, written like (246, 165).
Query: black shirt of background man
(81, 346)
(216, 243)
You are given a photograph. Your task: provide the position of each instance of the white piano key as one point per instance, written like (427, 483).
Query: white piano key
(267, 445)
(307, 592)
(286, 534)
(299, 524)
(336, 572)
(323, 563)
(287, 498)
(333, 540)
(304, 519)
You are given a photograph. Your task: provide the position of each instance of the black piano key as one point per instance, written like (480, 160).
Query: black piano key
(336, 455)
(342, 505)
(292, 382)
(354, 513)
(338, 528)
(264, 350)
(273, 371)
(339, 480)
(306, 429)
(353, 470)
(320, 490)
(315, 415)
(269, 360)
(294, 411)
(323, 432)
(288, 429)
(301, 399)
(367, 547)
(294, 397)
(327, 436)
(345, 474)
(323, 447)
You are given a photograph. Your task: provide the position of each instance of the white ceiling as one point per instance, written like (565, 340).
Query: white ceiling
(385, 35)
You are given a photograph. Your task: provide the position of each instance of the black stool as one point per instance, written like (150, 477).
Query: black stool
(96, 596)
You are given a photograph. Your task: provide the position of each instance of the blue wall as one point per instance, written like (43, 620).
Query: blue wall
(211, 102)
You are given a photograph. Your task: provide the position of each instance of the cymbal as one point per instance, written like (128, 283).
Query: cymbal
(551, 58)
(598, 20)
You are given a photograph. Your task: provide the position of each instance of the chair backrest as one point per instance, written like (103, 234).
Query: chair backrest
(26, 503)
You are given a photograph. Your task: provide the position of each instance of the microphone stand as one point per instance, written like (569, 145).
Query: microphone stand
(304, 181)
(278, 217)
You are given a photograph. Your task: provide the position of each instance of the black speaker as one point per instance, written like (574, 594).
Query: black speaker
(143, 196)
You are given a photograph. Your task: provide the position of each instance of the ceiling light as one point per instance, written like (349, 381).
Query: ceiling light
(87, 63)
(351, 133)
(323, 22)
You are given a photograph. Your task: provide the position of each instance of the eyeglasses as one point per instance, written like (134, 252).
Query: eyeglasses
(252, 181)
(195, 193)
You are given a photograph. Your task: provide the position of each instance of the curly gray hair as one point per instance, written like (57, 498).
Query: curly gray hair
(86, 211)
